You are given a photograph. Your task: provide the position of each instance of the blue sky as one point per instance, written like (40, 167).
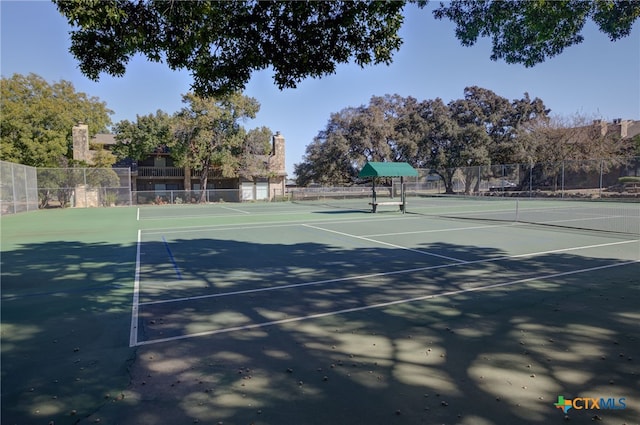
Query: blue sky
(597, 79)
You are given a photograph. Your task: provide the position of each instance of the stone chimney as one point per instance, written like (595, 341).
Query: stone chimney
(80, 136)
(603, 126)
(624, 128)
(277, 162)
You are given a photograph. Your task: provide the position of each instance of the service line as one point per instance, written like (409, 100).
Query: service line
(380, 305)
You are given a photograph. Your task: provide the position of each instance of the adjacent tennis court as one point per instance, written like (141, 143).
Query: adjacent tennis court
(456, 311)
(347, 264)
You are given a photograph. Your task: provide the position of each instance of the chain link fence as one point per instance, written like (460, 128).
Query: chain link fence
(27, 189)
(617, 178)
(165, 196)
(84, 187)
(19, 191)
(614, 178)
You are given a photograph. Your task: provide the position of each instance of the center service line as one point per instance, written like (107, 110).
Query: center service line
(173, 260)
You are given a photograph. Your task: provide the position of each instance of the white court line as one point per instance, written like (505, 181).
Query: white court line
(138, 215)
(385, 243)
(259, 225)
(381, 274)
(236, 210)
(554, 251)
(133, 336)
(184, 217)
(451, 229)
(259, 213)
(379, 305)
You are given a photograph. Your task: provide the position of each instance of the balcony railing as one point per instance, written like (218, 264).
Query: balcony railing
(161, 172)
(169, 172)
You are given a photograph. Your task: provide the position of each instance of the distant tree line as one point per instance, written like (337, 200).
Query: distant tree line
(207, 134)
(482, 128)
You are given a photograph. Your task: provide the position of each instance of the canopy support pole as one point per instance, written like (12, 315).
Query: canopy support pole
(373, 188)
(402, 195)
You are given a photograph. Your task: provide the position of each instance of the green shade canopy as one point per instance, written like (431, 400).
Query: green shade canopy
(387, 169)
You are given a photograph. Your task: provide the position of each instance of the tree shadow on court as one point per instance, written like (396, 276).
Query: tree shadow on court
(66, 311)
(396, 337)
(451, 350)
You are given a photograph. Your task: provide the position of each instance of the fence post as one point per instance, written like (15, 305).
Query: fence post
(601, 171)
(13, 187)
(130, 189)
(84, 179)
(562, 182)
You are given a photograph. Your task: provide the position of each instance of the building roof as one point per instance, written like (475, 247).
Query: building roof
(387, 169)
(104, 139)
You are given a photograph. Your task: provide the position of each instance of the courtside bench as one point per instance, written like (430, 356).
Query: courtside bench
(374, 205)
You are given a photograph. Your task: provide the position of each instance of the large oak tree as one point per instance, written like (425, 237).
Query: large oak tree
(38, 117)
(530, 31)
(480, 129)
(222, 42)
(139, 139)
(208, 135)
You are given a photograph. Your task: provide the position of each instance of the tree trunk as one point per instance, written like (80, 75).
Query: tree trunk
(187, 178)
(448, 182)
(203, 184)
(187, 184)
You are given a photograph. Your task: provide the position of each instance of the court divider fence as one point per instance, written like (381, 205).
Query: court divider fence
(19, 191)
(84, 187)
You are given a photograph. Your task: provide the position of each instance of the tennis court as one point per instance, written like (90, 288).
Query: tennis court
(472, 311)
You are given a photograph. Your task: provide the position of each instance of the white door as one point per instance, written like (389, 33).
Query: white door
(247, 191)
(262, 191)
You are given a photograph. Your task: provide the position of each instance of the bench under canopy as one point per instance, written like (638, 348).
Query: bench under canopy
(387, 169)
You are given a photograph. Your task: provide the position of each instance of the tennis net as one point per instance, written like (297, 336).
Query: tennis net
(604, 216)
(617, 217)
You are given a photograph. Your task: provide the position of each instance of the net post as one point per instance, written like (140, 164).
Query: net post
(517, 210)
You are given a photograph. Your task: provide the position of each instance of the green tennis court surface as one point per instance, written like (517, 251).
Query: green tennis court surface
(459, 311)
